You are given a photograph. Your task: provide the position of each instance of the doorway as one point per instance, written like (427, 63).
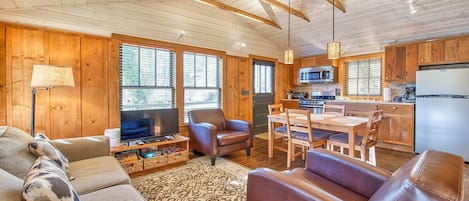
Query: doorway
(263, 84)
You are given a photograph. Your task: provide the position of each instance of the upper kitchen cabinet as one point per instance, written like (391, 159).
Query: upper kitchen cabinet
(295, 71)
(431, 52)
(400, 63)
(312, 61)
(457, 50)
(319, 60)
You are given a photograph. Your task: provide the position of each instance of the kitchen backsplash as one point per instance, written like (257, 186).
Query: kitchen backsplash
(397, 89)
(317, 87)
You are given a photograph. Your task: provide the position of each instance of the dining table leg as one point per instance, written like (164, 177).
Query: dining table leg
(351, 141)
(270, 136)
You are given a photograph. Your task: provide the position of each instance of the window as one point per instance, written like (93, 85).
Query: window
(201, 82)
(147, 78)
(263, 77)
(363, 77)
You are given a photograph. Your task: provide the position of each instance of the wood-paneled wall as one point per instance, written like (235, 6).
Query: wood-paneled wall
(237, 84)
(282, 81)
(93, 104)
(3, 95)
(60, 112)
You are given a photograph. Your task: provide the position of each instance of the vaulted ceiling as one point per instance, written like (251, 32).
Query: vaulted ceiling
(366, 26)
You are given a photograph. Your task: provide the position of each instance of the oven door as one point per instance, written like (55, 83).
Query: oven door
(316, 109)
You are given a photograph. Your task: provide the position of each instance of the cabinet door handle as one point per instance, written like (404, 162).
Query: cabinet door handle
(394, 108)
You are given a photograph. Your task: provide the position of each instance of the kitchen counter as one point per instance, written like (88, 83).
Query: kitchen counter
(370, 102)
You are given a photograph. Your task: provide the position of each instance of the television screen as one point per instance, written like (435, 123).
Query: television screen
(143, 124)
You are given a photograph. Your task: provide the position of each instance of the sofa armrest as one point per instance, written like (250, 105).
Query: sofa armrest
(206, 135)
(238, 125)
(80, 148)
(269, 185)
(353, 174)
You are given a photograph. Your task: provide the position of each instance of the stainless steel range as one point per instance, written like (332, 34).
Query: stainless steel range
(317, 101)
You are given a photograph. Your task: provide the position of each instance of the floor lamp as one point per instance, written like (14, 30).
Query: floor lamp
(46, 77)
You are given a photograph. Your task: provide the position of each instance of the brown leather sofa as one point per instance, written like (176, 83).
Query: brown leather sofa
(211, 134)
(432, 175)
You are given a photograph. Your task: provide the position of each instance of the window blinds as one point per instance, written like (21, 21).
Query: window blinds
(202, 78)
(363, 77)
(147, 78)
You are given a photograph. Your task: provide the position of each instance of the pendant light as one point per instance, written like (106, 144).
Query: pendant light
(289, 52)
(333, 48)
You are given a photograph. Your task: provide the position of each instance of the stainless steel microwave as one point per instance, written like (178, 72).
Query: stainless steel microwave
(318, 74)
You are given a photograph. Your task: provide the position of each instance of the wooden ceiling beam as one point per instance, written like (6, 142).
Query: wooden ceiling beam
(284, 7)
(268, 9)
(239, 12)
(338, 4)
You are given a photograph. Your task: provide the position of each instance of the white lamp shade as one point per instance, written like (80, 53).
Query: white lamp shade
(288, 57)
(333, 50)
(52, 76)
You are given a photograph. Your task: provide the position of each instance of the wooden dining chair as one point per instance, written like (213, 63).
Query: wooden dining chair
(338, 110)
(364, 143)
(301, 133)
(277, 109)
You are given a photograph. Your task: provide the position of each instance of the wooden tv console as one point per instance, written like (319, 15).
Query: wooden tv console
(172, 151)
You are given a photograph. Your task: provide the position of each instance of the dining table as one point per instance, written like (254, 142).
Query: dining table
(344, 124)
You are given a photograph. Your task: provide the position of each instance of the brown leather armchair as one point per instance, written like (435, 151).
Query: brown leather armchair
(211, 134)
(432, 175)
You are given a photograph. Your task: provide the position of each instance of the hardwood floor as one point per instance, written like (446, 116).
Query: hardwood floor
(387, 159)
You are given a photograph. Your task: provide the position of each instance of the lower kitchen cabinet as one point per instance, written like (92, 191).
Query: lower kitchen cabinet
(290, 103)
(397, 127)
(396, 130)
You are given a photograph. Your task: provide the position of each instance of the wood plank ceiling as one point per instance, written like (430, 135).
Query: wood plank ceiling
(365, 27)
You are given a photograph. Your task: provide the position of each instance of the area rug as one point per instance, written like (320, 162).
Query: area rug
(196, 181)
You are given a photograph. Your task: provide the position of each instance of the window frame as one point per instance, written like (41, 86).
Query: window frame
(219, 81)
(368, 59)
(172, 81)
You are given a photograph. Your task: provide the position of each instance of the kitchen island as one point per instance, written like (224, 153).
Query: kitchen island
(396, 130)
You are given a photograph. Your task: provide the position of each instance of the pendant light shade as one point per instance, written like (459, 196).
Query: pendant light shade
(333, 48)
(288, 59)
(288, 54)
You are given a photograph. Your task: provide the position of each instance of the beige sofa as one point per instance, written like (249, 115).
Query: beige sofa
(98, 176)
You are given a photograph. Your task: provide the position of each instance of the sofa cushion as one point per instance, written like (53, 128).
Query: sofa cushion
(11, 187)
(231, 137)
(42, 146)
(114, 193)
(97, 173)
(47, 181)
(15, 157)
(318, 182)
(433, 175)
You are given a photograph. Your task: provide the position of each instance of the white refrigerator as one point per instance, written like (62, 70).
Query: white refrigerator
(442, 110)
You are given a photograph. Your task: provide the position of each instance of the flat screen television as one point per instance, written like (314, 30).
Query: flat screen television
(144, 124)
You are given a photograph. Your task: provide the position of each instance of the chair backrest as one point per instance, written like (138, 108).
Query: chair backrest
(213, 116)
(275, 108)
(374, 120)
(295, 124)
(333, 109)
